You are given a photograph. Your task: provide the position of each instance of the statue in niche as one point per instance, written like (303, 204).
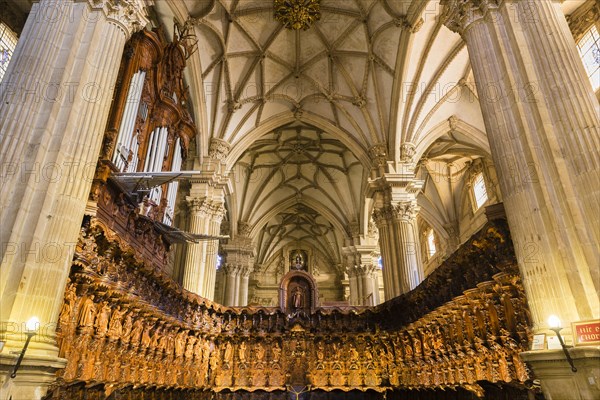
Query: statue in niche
(87, 315)
(297, 298)
(242, 352)
(298, 260)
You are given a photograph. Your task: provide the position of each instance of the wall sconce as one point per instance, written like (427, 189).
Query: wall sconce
(554, 323)
(31, 327)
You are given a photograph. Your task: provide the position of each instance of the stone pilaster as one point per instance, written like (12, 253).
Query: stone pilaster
(542, 120)
(55, 99)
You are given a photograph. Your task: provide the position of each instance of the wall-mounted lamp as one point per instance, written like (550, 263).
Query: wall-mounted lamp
(31, 328)
(554, 323)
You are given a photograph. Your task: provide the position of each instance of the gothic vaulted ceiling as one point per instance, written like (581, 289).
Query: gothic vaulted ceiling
(298, 184)
(299, 105)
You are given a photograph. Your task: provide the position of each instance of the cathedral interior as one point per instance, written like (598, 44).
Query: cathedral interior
(299, 199)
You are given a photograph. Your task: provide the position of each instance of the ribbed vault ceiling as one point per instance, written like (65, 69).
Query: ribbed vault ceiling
(341, 70)
(301, 108)
(298, 184)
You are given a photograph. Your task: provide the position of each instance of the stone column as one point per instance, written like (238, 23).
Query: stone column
(354, 298)
(542, 121)
(362, 273)
(194, 268)
(238, 256)
(205, 216)
(54, 102)
(370, 287)
(400, 247)
(231, 275)
(244, 281)
(207, 210)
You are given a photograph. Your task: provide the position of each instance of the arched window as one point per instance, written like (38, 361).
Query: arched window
(8, 42)
(431, 248)
(478, 191)
(589, 48)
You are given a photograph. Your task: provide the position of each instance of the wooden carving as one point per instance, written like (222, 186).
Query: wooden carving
(120, 329)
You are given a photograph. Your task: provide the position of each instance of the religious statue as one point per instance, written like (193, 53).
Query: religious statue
(276, 352)
(115, 327)
(127, 328)
(242, 352)
(228, 353)
(180, 340)
(136, 331)
(353, 354)
(87, 313)
(102, 319)
(320, 352)
(260, 352)
(297, 298)
(67, 306)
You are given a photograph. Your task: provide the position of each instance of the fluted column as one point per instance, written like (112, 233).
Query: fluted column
(217, 213)
(194, 268)
(238, 255)
(54, 102)
(370, 290)
(352, 282)
(362, 275)
(400, 247)
(542, 121)
(231, 275)
(244, 281)
(199, 272)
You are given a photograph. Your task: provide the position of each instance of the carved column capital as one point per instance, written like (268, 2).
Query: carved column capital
(354, 229)
(406, 210)
(582, 19)
(407, 152)
(244, 229)
(230, 269)
(217, 211)
(383, 215)
(129, 15)
(197, 205)
(218, 149)
(378, 154)
(459, 15)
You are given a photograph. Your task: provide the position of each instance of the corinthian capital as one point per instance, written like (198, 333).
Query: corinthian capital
(383, 215)
(458, 15)
(406, 210)
(378, 154)
(196, 205)
(129, 15)
(218, 149)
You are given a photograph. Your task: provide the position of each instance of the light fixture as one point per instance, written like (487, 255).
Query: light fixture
(555, 326)
(31, 328)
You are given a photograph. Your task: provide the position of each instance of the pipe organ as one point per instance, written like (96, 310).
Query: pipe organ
(150, 127)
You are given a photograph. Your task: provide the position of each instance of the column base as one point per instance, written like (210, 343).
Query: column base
(34, 376)
(558, 381)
